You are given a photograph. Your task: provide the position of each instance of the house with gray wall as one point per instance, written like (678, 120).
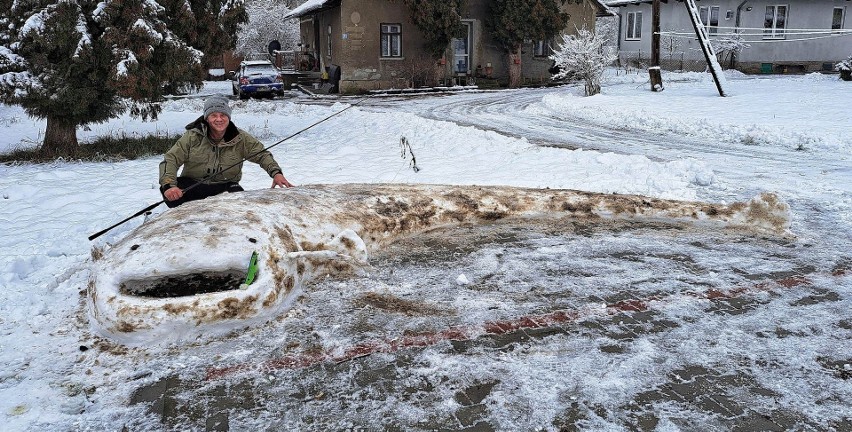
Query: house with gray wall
(775, 36)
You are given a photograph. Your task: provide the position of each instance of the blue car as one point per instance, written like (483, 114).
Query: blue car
(257, 78)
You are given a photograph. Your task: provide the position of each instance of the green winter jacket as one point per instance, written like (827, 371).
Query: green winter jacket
(200, 157)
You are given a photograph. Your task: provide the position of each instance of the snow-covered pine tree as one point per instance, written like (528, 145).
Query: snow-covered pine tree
(583, 56)
(265, 25)
(76, 62)
(512, 21)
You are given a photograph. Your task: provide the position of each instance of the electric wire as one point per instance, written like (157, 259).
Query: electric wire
(777, 37)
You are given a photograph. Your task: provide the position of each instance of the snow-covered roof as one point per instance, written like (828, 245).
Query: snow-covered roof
(312, 5)
(617, 3)
(604, 8)
(308, 6)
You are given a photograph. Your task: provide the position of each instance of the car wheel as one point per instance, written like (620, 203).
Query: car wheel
(243, 96)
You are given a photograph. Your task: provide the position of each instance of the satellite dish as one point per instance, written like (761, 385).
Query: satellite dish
(274, 46)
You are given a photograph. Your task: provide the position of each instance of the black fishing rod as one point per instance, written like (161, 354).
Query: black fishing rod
(209, 176)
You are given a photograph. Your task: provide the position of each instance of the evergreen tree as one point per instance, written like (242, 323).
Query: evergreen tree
(438, 20)
(209, 26)
(512, 21)
(265, 25)
(76, 62)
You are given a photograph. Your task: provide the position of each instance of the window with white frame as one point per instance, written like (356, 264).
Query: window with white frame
(391, 40)
(775, 22)
(634, 26)
(710, 18)
(837, 18)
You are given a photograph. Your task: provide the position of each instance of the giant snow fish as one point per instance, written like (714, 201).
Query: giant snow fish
(310, 231)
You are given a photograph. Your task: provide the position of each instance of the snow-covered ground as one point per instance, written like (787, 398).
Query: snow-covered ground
(791, 135)
(760, 111)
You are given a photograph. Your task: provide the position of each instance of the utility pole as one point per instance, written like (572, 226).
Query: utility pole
(706, 48)
(654, 70)
(655, 35)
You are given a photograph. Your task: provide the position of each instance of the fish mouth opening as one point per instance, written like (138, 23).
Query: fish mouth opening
(184, 285)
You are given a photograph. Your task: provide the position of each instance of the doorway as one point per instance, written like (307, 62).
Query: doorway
(462, 50)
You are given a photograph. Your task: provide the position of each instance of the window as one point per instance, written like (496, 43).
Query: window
(775, 22)
(329, 42)
(391, 40)
(837, 18)
(710, 18)
(634, 25)
(541, 48)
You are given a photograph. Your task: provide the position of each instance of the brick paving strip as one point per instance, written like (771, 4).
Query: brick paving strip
(469, 332)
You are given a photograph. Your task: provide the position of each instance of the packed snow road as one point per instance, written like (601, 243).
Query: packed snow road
(607, 326)
(591, 324)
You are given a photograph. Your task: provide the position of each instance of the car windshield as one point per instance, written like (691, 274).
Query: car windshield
(267, 69)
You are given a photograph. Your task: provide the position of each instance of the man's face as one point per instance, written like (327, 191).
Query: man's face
(218, 122)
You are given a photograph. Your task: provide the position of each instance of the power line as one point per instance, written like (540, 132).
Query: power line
(767, 32)
(680, 35)
(784, 29)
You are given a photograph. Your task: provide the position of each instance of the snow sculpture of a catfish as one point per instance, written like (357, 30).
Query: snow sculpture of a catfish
(315, 230)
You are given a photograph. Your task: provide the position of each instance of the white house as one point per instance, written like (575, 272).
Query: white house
(774, 36)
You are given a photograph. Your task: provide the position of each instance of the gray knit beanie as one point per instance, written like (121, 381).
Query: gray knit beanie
(216, 104)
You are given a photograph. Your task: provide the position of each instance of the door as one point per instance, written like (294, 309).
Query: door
(462, 50)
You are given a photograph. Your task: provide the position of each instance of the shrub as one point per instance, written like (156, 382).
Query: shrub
(104, 149)
(845, 65)
(845, 69)
(583, 56)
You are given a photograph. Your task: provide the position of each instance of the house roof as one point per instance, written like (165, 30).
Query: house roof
(604, 8)
(618, 3)
(312, 5)
(307, 7)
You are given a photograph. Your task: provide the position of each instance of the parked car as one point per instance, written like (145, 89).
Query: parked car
(257, 78)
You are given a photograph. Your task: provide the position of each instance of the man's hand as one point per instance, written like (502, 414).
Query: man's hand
(173, 193)
(280, 181)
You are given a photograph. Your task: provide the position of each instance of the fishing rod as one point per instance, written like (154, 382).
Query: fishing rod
(209, 176)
